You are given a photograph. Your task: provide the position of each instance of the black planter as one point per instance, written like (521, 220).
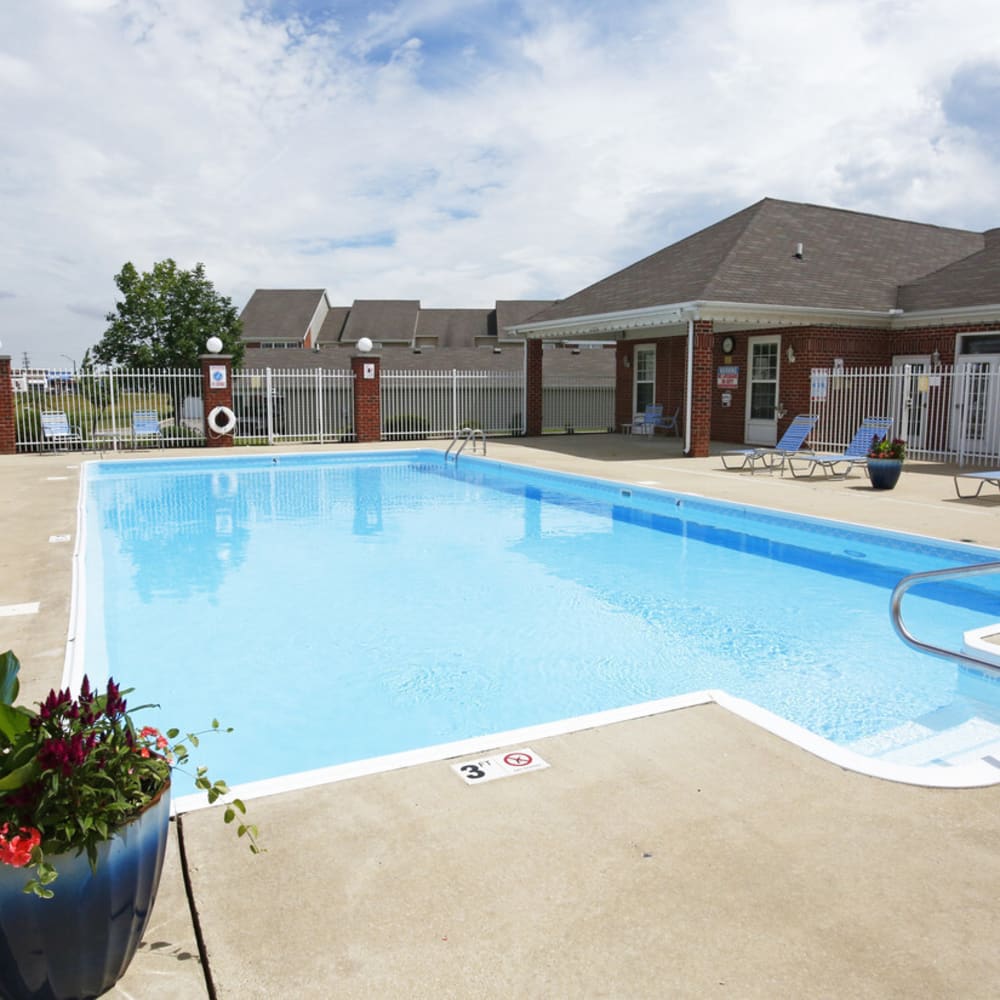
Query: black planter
(884, 472)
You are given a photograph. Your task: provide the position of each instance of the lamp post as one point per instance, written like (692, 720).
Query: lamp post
(70, 360)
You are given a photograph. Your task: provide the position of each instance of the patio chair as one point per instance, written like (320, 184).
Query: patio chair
(57, 430)
(652, 417)
(991, 478)
(670, 424)
(146, 426)
(772, 458)
(856, 452)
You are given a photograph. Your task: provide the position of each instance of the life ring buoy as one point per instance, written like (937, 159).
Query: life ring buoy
(222, 420)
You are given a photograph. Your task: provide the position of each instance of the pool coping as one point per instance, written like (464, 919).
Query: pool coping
(974, 774)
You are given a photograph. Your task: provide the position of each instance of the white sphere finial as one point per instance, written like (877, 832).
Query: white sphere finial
(213, 345)
(364, 345)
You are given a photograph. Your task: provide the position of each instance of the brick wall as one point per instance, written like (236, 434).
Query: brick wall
(8, 429)
(702, 387)
(533, 389)
(367, 398)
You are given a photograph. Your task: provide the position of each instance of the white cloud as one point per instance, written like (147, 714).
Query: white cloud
(456, 152)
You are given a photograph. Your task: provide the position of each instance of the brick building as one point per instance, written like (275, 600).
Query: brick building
(729, 323)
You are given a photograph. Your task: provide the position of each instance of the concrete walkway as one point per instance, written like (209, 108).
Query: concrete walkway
(684, 854)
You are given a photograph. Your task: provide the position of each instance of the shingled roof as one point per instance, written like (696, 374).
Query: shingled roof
(453, 327)
(280, 313)
(849, 260)
(381, 320)
(973, 281)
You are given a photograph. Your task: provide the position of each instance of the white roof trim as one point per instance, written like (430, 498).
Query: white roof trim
(746, 312)
(679, 312)
(963, 314)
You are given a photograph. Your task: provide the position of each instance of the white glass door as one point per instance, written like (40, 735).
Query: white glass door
(977, 404)
(911, 395)
(762, 391)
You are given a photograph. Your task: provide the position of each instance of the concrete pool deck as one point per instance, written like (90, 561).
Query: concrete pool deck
(682, 854)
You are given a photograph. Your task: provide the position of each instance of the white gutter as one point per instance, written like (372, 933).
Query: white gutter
(673, 313)
(965, 314)
(688, 394)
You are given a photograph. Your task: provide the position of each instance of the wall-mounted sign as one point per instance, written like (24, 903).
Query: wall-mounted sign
(368, 369)
(728, 376)
(819, 383)
(217, 376)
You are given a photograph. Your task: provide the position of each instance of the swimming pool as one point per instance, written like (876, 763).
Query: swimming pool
(334, 608)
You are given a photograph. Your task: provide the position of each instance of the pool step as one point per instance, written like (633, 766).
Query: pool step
(917, 744)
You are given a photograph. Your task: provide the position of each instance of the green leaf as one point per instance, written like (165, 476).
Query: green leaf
(13, 721)
(9, 684)
(19, 776)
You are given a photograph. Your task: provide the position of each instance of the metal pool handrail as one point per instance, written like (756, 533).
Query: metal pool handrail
(937, 574)
(465, 435)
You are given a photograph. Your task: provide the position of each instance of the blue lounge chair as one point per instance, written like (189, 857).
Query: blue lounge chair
(772, 458)
(671, 424)
(57, 430)
(652, 419)
(646, 421)
(856, 452)
(145, 426)
(991, 478)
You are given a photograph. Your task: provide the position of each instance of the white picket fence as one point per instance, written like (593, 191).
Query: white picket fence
(306, 406)
(100, 408)
(425, 404)
(570, 406)
(312, 405)
(944, 413)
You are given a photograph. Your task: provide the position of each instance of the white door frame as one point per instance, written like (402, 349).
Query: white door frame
(643, 349)
(762, 430)
(910, 398)
(976, 404)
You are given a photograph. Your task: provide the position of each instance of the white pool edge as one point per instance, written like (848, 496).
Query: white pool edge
(978, 774)
(974, 775)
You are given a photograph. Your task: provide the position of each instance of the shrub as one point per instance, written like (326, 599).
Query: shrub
(407, 427)
(27, 422)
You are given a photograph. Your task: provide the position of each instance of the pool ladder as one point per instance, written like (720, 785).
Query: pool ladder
(925, 647)
(465, 435)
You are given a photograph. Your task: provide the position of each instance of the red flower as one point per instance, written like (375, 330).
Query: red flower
(17, 850)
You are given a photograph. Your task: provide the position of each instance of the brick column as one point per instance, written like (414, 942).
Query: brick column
(367, 370)
(8, 422)
(216, 390)
(623, 382)
(533, 388)
(701, 389)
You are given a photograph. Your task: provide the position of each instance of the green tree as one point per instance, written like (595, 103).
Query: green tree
(164, 318)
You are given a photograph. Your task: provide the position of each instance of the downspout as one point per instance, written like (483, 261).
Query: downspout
(524, 387)
(688, 402)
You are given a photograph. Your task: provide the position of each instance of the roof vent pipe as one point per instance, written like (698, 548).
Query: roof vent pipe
(798, 251)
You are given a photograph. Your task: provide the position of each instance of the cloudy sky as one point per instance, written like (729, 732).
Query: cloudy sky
(459, 151)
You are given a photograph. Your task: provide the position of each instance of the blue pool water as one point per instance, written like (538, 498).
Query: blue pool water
(335, 608)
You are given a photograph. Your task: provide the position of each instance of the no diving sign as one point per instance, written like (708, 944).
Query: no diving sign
(501, 765)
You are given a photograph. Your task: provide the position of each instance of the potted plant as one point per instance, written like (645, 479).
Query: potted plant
(84, 816)
(885, 462)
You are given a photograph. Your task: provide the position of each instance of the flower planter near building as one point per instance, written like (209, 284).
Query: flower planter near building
(885, 462)
(884, 472)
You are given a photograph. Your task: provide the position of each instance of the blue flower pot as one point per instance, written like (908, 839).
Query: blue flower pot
(884, 472)
(79, 943)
